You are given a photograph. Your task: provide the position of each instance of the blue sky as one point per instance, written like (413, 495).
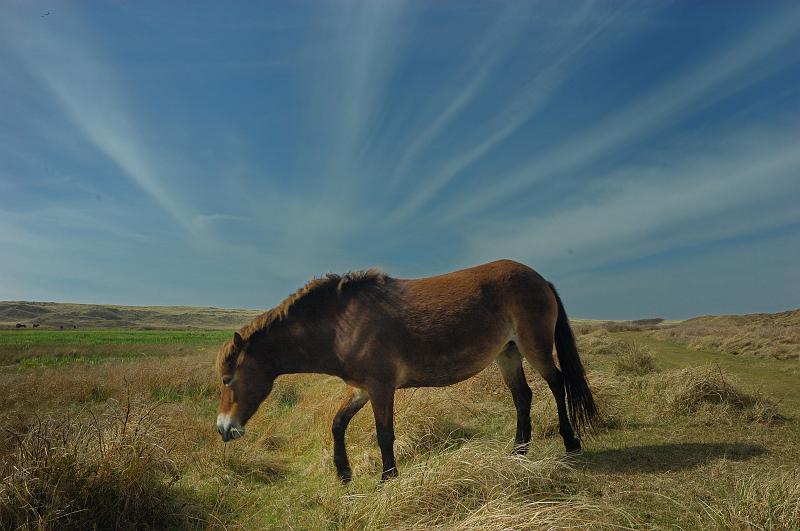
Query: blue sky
(643, 156)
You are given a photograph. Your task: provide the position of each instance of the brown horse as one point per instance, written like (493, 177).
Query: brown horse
(380, 334)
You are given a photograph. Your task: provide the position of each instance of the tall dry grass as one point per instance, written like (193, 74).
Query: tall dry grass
(765, 335)
(178, 376)
(476, 486)
(110, 469)
(707, 394)
(600, 343)
(759, 501)
(453, 446)
(634, 359)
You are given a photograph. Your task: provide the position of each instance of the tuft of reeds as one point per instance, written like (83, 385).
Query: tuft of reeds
(706, 389)
(110, 469)
(599, 343)
(634, 359)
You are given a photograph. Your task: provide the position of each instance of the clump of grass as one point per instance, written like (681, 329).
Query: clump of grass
(475, 486)
(599, 343)
(109, 470)
(635, 359)
(760, 502)
(287, 394)
(706, 389)
(428, 423)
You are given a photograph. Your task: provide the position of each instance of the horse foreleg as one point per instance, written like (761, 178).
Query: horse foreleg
(383, 408)
(352, 403)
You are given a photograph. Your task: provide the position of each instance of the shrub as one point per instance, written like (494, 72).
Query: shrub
(621, 326)
(650, 321)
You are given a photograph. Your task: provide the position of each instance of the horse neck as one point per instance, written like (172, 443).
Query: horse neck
(305, 349)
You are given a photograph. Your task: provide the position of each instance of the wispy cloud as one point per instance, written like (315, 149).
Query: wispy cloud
(474, 74)
(87, 89)
(576, 37)
(730, 69)
(369, 39)
(642, 210)
(286, 141)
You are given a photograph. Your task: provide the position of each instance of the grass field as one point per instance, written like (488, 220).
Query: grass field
(56, 347)
(117, 428)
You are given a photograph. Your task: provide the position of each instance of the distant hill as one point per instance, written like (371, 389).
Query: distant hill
(51, 315)
(762, 334)
(775, 335)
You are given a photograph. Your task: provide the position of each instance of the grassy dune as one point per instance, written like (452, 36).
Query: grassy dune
(690, 438)
(773, 335)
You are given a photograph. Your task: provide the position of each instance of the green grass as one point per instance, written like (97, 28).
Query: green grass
(41, 348)
(781, 378)
(29, 338)
(66, 359)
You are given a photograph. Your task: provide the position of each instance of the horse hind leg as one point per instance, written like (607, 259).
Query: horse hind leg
(536, 344)
(510, 363)
(352, 403)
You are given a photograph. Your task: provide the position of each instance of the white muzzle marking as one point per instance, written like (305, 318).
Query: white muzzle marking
(228, 427)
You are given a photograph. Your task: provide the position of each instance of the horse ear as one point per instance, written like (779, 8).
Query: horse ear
(238, 342)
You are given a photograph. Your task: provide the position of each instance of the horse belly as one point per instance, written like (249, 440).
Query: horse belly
(446, 367)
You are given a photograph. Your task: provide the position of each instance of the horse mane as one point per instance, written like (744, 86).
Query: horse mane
(312, 290)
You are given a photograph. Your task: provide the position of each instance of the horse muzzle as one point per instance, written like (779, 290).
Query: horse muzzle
(228, 427)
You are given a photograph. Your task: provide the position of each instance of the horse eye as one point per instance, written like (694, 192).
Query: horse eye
(227, 381)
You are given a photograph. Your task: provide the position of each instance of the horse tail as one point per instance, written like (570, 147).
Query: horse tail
(580, 403)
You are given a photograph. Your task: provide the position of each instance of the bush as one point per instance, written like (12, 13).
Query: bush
(645, 322)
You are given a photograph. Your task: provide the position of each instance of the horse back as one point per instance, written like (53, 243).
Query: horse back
(442, 329)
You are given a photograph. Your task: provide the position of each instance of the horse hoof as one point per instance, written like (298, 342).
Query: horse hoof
(520, 449)
(573, 447)
(388, 474)
(345, 476)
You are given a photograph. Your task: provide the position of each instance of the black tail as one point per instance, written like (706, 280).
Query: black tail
(580, 404)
